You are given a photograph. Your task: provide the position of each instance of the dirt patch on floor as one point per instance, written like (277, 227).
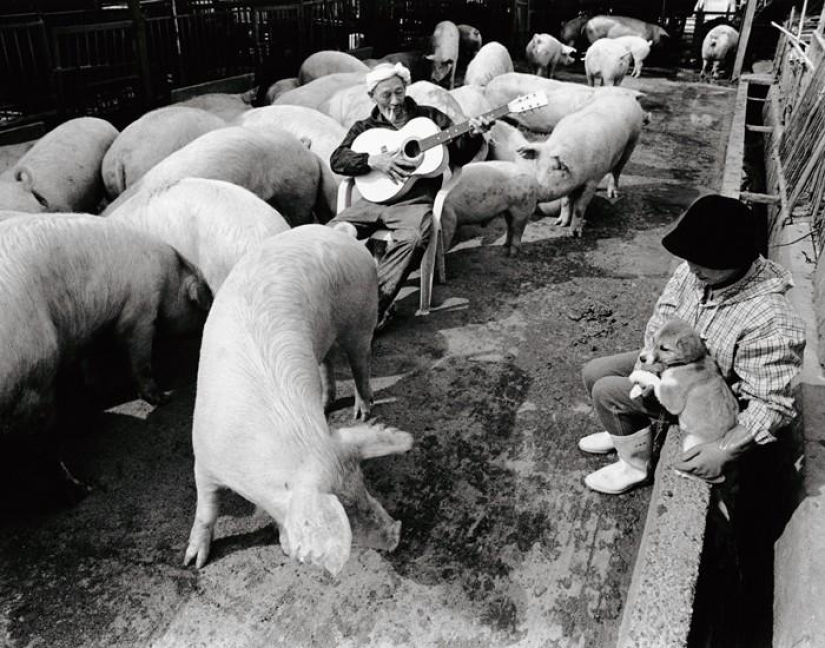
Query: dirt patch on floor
(501, 544)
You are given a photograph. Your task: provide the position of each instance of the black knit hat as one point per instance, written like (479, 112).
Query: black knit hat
(715, 232)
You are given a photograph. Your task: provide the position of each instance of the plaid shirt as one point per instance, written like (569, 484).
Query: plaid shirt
(752, 332)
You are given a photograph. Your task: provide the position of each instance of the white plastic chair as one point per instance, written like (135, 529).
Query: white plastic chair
(432, 263)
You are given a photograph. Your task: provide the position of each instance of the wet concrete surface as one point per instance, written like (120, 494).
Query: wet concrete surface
(501, 545)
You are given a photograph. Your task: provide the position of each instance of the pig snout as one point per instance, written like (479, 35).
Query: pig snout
(372, 526)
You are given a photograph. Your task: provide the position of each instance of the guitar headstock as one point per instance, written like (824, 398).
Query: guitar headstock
(527, 102)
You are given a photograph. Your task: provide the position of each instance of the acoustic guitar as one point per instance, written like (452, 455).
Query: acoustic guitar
(422, 143)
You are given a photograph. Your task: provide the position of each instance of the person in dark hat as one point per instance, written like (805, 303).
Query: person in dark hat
(736, 300)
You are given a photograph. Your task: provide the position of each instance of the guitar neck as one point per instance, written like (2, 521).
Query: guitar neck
(457, 130)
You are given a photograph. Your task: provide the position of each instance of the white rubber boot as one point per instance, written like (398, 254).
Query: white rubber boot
(630, 470)
(598, 443)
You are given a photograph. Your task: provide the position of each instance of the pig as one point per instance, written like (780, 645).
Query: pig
(572, 32)
(596, 140)
(226, 106)
(606, 60)
(61, 172)
(614, 26)
(472, 100)
(469, 42)
(68, 278)
(562, 98)
(148, 140)
(315, 93)
(505, 140)
(275, 166)
(259, 427)
(544, 53)
(719, 43)
(20, 196)
(320, 132)
(280, 87)
(211, 223)
(325, 62)
(639, 49)
(444, 56)
(487, 190)
(491, 61)
(348, 105)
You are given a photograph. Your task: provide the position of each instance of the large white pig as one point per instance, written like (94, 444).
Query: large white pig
(544, 53)
(326, 62)
(227, 106)
(719, 43)
(639, 48)
(211, 223)
(585, 146)
(149, 139)
(315, 93)
(275, 166)
(491, 61)
(318, 131)
(607, 60)
(61, 172)
(562, 98)
(348, 105)
(444, 56)
(282, 86)
(614, 26)
(487, 190)
(472, 100)
(68, 278)
(259, 427)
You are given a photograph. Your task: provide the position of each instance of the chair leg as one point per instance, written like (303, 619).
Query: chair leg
(428, 267)
(440, 262)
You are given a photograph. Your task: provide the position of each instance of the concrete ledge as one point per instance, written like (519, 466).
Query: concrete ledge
(799, 571)
(659, 604)
(230, 85)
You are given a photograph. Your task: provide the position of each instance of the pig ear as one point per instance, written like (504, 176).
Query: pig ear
(374, 440)
(198, 292)
(317, 529)
(528, 152)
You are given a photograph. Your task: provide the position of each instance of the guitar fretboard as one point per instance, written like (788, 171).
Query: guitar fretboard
(457, 130)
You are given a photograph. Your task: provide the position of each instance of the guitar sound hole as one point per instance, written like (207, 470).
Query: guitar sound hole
(412, 149)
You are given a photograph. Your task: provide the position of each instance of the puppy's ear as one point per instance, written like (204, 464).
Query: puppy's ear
(691, 347)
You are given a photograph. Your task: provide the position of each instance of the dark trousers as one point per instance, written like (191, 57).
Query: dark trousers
(410, 222)
(605, 380)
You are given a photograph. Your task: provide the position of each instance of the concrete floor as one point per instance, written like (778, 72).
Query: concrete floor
(501, 545)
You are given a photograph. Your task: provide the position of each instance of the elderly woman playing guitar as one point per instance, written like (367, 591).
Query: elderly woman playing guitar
(408, 214)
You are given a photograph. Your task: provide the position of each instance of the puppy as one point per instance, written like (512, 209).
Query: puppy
(691, 385)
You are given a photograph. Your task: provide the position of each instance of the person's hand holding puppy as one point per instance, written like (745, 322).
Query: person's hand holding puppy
(708, 460)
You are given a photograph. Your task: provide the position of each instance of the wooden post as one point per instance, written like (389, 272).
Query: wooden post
(744, 36)
(142, 52)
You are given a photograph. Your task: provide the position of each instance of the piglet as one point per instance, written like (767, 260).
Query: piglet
(719, 44)
(259, 427)
(544, 53)
(444, 56)
(606, 60)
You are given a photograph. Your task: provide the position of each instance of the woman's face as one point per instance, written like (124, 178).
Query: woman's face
(389, 96)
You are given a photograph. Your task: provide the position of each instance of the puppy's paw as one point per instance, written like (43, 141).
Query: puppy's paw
(643, 378)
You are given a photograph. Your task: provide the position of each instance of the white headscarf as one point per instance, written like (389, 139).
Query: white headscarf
(384, 71)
